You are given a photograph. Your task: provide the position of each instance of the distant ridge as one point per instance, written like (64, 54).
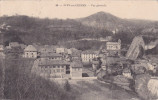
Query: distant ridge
(51, 31)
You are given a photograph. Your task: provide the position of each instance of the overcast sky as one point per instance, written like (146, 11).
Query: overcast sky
(142, 9)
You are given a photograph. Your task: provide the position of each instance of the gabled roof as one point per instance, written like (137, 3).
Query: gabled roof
(30, 48)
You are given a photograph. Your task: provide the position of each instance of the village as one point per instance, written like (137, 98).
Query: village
(53, 61)
(58, 61)
(109, 63)
(127, 66)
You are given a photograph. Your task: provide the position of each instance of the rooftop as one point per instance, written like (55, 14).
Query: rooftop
(53, 62)
(112, 43)
(76, 64)
(30, 48)
(50, 55)
(90, 52)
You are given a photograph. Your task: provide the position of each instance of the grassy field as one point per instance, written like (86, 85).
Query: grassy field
(96, 90)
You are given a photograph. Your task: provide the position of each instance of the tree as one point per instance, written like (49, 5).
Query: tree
(67, 86)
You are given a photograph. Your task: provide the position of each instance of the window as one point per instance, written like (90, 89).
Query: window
(58, 70)
(62, 70)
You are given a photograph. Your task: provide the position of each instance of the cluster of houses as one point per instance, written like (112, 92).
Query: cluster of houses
(58, 62)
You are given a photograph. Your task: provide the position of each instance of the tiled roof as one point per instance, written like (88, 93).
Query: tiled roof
(76, 64)
(53, 62)
(48, 48)
(90, 52)
(50, 55)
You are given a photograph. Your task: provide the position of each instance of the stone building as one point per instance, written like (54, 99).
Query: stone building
(30, 52)
(88, 55)
(53, 68)
(60, 50)
(76, 69)
(113, 48)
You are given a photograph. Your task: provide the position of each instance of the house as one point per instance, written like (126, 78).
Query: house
(76, 54)
(53, 56)
(113, 48)
(127, 73)
(1, 47)
(113, 45)
(60, 50)
(151, 45)
(76, 69)
(30, 52)
(14, 44)
(88, 55)
(53, 68)
(69, 51)
(95, 64)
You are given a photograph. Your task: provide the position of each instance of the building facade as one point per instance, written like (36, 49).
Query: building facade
(60, 50)
(76, 69)
(30, 52)
(113, 45)
(88, 56)
(113, 48)
(53, 68)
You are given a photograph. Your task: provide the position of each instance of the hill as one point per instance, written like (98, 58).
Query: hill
(30, 30)
(110, 22)
(47, 31)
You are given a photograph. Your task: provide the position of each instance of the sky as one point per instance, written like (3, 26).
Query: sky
(129, 9)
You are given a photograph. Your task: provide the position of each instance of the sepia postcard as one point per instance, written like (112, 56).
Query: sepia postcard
(78, 49)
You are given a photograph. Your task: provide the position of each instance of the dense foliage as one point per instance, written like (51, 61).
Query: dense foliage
(20, 84)
(47, 31)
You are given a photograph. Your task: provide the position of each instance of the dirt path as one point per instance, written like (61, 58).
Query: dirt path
(95, 90)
